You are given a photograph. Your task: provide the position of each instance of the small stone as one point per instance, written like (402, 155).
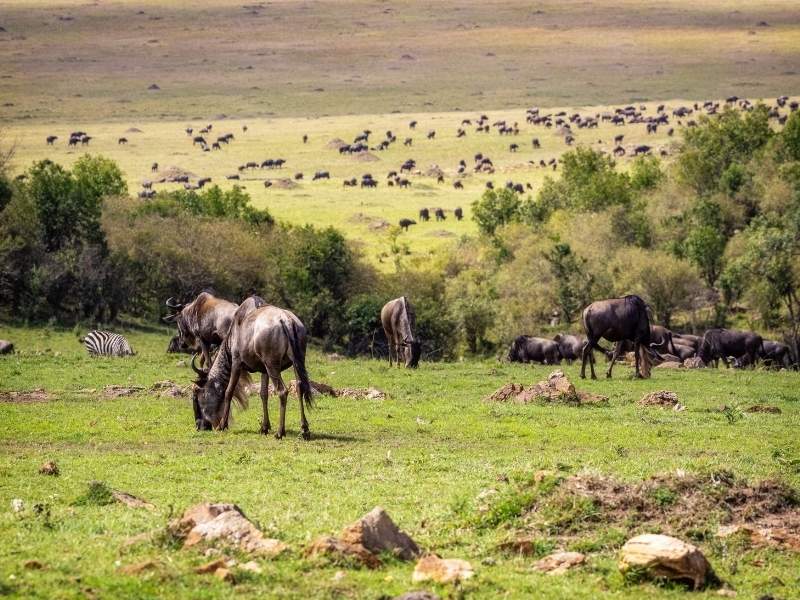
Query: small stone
(338, 576)
(210, 567)
(558, 562)
(667, 557)
(49, 468)
(251, 566)
(225, 575)
(17, 505)
(447, 570)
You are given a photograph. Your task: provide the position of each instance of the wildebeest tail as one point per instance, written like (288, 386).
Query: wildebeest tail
(645, 363)
(299, 363)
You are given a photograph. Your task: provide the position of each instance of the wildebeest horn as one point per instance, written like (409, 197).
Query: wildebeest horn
(199, 372)
(172, 303)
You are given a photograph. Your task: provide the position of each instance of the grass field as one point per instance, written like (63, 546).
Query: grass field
(425, 454)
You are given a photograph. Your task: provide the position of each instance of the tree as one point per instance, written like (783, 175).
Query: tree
(495, 209)
(718, 142)
(705, 241)
(573, 284)
(471, 304)
(646, 173)
(589, 182)
(790, 137)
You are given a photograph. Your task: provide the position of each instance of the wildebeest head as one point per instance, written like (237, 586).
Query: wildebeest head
(208, 399)
(513, 351)
(184, 332)
(413, 351)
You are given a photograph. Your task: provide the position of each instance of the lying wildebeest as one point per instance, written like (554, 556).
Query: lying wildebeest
(203, 322)
(406, 223)
(721, 343)
(569, 346)
(262, 339)
(687, 339)
(661, 339)
(458, 213)
(399, 324)
(527, 349)
(617, 320)
(776, 354)
(683, 352)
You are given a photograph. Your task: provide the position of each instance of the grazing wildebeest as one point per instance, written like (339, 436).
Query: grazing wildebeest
(458, 185)
(431, 134)
(721, 343)
(147, 194)
(406, 223)
(399, 325)
(204, 322)
(526, 349)
(617, 320)
(177, 346)
(440, 179)
(536, 143)
(298, 176)
(353, 182)
(513, 147)
(199, 139)
(122, 140)
(154, 167)
(321, 175)
(51, 139)
(262, 339)
(569, 346)
(424, 214)
(776, 354)
(408, 141)
(232, 177)
(305, 138)
(402, 182)
(458, 213)
(641, 149)
(412, 124)
(439, 213)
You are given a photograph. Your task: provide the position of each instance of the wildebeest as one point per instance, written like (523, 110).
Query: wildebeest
(617, 320)
(439, 213)
(661, 339)
(424, 214)
(526, 349)
(431, 134)
(721, 343)
(122, 141)
(406, 223)
(687, 339)
(569, 346)
(458, 213)
(204, 322)
(458, 185)
(399, 325)
(154, 167)
(776, 354)
(51, 139)
(262, 339)
(177, 346)
(321, 175)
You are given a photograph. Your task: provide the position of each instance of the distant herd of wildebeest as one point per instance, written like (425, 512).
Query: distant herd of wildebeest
(564, 123)
(233, 341)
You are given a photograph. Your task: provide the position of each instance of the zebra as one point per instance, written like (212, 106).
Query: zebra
(105, 343)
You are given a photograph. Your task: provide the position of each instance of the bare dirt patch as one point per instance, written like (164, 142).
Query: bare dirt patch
(365, 157)
(283, 183)
(37, 395)
(555, 389)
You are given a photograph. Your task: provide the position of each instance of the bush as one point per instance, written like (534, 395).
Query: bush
(495, 209)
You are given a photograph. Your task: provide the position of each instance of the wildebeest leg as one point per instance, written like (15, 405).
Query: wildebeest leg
(283, 394)
(265, 427)
(389, 347)
(399, 351)
(236, 370)
(636, 347)
(614, 357)
(304, 432)
(587, 354)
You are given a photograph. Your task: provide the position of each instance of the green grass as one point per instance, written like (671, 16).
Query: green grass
(425, 454)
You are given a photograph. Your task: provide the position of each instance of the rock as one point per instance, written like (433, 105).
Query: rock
(447, 570)
(556, 388)
(663, 399)
(225, 575)
(140, 567)
(49, 468)
(327, 545)
(251, 566)
(6, 347)
(763, 408)
(210, 567)
(422, 595)
(670, 364)
(378, 533)
(559, 562)
(17, 505)
(667, 557)
(223, 523)
(695, 362)
(131, 500)
(119, 391)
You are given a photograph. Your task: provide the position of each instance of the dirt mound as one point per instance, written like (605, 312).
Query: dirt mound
(434, 171)
(576, 506)
(364, 157)
(172, 173)
(133, 130)
(663, 399)
(120, 391)
(441, 233)
(37, 395)
(283, 183)
(763, 408)
(555, 389)
(335, 144)
(323, 389)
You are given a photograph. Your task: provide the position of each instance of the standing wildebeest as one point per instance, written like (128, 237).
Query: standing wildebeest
(203, 322)
(721, 343)
(776, 354)
(406, 223)
(51, 139)
(458, 185)
(122, 141)
(154, 167)
(321, 175)
(399, 322)
(526, 349)
(262, 339)
(439, 213)
(458, 213)
(617, 320)
(424, 214)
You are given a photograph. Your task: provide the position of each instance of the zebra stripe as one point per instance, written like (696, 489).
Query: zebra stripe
(105, 343)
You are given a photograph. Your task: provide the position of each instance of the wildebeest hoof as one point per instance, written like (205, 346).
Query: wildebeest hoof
(279, 435)
(305, 434)
(265, 429)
